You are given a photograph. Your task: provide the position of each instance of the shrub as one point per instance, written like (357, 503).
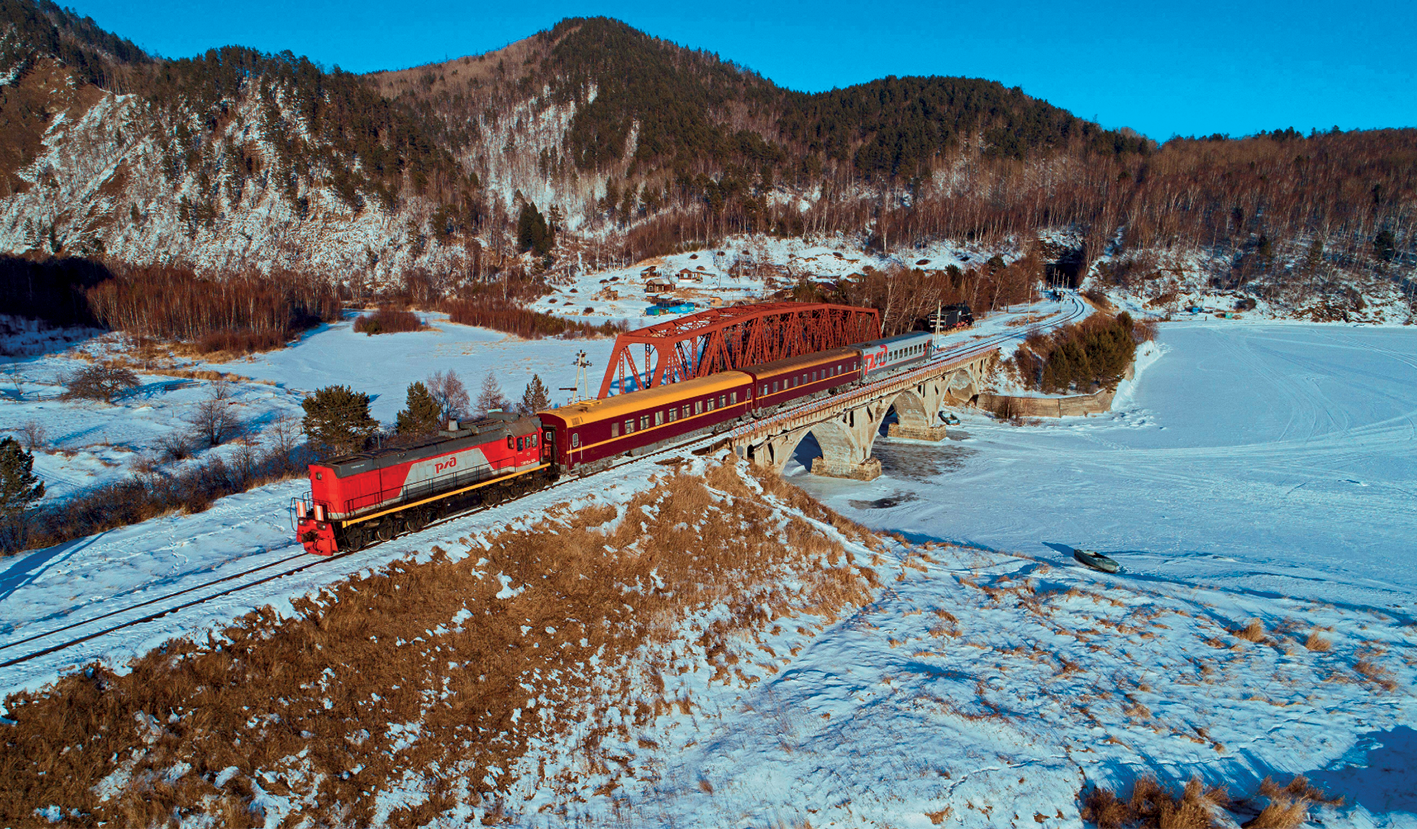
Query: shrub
(213, 422)
(33, 435)
(388, 321)
(148, 494)
(173, 447)
(1088, 355)
(105, 382)
(508, 317)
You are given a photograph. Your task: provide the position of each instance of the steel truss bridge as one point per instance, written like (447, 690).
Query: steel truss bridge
(727, 339)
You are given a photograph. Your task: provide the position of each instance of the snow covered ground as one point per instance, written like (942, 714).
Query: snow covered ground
(742, 269)
(90, 443)
(1251, 472)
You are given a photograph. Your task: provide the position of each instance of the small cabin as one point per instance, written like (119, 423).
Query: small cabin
(660, 285)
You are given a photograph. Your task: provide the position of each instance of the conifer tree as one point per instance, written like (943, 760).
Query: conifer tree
(337, 420)
(422, 415)
(18, 485)
(532, 231)
(536, 398)
(19, 488)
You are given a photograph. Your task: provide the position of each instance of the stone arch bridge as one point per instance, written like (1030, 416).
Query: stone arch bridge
(846, 425)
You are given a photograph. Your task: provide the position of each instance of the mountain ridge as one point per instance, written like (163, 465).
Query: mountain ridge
(238, 160)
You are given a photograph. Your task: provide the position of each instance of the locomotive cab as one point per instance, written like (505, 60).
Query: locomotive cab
(401, 487)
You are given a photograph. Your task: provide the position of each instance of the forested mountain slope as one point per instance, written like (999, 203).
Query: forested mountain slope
(236, 160)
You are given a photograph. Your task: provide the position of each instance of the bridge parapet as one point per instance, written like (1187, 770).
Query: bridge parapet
(846, 425)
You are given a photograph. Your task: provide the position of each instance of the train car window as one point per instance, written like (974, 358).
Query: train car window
(698, 407)
(659, 418)
(774, 385)
(615, 430)
(575, 439)
(722, 400)
(521, 444)
(630, 426)
(673, 415)
(708, 404)
(509, 441)
(733, 398)
(686, 410)
(765, 388)
(644, 422)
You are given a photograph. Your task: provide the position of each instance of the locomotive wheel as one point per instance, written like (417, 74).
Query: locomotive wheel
(417, 520)
(385, 530)
(355, 537)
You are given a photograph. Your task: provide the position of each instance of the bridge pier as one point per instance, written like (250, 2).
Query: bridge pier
(930, 433)
(846, 430)
(846, 443)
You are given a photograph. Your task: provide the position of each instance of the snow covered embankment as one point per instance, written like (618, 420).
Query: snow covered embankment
(712, 651)
(519, 665)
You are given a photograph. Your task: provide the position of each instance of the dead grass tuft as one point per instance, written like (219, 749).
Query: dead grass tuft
(1317, 643)
(1375, 673)
(1101, 807)
(1288, 806)
(1152, 805)
(1253, 632)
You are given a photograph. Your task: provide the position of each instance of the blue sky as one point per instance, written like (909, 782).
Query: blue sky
(1180, 68)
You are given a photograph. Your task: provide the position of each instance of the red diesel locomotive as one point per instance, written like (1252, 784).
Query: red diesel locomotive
(378, 494)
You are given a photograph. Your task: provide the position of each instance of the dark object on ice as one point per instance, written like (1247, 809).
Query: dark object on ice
(949, 419)
(1097, 561)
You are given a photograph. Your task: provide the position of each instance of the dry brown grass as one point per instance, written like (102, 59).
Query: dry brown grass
(1253, 632)
(1375, 673)
(315, 691)
(1288, 806)
(1317, 643)
(1152, 805)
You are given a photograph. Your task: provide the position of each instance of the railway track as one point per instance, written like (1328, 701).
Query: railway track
(311, 562)
(993, 341)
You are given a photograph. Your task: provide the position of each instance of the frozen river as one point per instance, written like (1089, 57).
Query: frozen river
(1282, 455)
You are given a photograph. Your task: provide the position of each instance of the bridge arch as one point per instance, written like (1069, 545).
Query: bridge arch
(846, 428)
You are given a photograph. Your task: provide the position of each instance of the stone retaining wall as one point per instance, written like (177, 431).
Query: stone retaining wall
(1078, 405)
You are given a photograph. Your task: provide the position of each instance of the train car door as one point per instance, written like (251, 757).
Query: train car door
(548, 446)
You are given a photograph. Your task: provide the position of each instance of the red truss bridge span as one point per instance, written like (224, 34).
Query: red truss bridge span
(726, 339)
